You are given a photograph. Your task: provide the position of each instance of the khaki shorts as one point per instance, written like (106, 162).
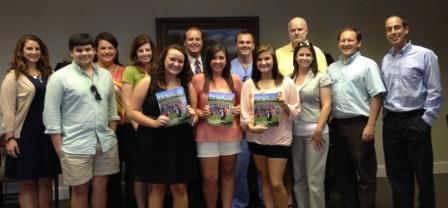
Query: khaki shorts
(78, 169)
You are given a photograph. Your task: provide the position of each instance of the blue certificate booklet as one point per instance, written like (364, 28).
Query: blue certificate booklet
(173, 104)
(266, 109)
(221, 105)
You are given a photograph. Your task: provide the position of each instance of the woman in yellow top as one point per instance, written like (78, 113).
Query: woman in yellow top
(31, 158)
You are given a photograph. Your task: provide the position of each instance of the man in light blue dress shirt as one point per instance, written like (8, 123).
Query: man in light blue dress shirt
(79, 114)
(356, 101)
(413, 101)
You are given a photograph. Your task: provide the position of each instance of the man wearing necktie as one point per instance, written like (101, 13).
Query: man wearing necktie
(193, 42)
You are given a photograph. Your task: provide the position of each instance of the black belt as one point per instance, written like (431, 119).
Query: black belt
(403, 113)
(350, 120)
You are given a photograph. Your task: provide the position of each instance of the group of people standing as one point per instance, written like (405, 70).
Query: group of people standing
(93, 113)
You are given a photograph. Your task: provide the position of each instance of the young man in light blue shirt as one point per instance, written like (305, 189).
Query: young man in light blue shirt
(413, 101)
(356, 101)
(242, 66)
(79, 114)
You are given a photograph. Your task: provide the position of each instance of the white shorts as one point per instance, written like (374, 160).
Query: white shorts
(216, 149)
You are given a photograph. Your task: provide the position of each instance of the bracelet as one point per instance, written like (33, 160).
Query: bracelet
(7, 139)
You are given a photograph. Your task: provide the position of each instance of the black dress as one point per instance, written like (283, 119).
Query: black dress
(165, 155)
(37, 158)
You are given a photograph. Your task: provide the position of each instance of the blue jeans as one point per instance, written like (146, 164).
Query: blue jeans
(241, 193)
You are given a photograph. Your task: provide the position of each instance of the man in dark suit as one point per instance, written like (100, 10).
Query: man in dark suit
(193, 42)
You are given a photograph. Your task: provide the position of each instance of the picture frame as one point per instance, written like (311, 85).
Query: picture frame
(171, 30)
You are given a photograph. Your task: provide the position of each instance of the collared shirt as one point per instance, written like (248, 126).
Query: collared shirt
(238, 69)
(355, 82)
(72, 110)
(309, 93)
(285, 59)
(412, 80)
(311, 105)
(192, 61)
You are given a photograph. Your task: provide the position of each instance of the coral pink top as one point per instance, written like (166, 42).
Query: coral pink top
(210, 133)
(281, 135)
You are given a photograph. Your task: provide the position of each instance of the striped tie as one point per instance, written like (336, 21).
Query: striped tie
(197, 67)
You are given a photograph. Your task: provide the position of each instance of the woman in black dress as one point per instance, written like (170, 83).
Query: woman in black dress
(31, 158)
(167, 154)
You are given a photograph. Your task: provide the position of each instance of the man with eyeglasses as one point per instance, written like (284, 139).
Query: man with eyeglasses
(298, 32)
(79, 114)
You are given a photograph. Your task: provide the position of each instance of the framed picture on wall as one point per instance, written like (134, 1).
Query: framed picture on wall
(215, 30)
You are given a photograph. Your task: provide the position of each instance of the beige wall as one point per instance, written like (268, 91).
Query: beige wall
(55, 20)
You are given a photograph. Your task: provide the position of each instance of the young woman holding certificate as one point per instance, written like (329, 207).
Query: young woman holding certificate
(218, 143)
(166, 153)
(270, 146)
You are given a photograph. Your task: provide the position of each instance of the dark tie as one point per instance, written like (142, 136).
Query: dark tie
(197, 67)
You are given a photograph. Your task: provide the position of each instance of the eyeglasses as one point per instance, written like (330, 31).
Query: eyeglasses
(245, 78)
(95, 92)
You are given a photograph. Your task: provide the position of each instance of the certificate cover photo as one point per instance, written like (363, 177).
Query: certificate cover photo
(221, 108)
(173, 104)
(267, 109)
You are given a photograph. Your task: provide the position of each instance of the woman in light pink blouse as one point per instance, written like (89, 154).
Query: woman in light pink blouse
(270, 145)
(217, 143)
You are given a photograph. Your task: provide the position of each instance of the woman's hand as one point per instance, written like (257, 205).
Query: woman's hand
(204, 113)
(257, 129)
(193, 114)
(12, 148)
(282, 102)
(236, 110)
(162, 120)
(319, 142)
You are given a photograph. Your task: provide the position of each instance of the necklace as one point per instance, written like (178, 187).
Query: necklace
(36, 76)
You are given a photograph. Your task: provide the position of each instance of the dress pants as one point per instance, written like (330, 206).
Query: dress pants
(408, 154)
(309, 164)
(355, 162)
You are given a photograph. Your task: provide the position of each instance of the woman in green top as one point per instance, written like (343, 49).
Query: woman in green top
(142, 59)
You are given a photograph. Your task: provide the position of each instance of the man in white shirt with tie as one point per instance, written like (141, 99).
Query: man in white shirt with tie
(193, 42)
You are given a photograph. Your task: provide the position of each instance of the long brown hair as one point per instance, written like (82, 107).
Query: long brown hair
(208, 74)
(313, 66)
(18, 63)
(158, 74)
(137, 43)
(256, 74)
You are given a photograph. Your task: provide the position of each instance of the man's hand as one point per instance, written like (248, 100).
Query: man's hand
(368, 134)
